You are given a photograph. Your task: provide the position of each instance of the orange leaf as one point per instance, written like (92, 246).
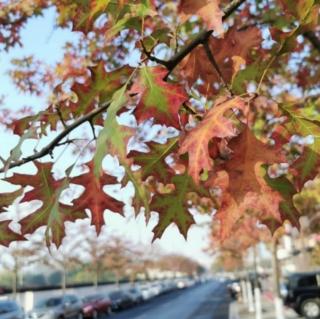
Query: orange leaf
(236, 43)
(214, 124)
(247, 151)
(208, 10)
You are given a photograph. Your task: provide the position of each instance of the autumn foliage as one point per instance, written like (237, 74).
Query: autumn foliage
(220, 106)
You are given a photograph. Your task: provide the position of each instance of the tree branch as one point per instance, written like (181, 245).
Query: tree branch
(315, 41)
(47, 150)
(201, 38)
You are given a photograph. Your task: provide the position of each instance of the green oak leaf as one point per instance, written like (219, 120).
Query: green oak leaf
(152, 162)
(173, 207)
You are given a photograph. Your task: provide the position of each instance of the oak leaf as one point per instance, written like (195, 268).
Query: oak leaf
(93, 197)
(174, 207)
(159, 99)
(153, 162)
(247, 152)
(208, 10)
(6, 199)
(7, 235)
(234, 47)
(214, 125)
(51, 213)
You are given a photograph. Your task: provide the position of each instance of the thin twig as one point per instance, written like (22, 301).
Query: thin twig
(151, 57)
(215, 66)
(47, 150)
(93, 130)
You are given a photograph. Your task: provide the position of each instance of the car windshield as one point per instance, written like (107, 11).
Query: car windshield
(7, 306)
(52, 302)
(92, 298)
(115, 294)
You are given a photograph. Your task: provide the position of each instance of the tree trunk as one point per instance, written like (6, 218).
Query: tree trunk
(96, 277)
(117, 279)
(257, 291)
(14, 283)
(304, 255)
(279, 313)
(64, 280)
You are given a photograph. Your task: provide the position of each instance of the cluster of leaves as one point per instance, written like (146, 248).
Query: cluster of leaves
(225, 76)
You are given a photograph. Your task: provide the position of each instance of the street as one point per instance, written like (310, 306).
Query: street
(206, 301)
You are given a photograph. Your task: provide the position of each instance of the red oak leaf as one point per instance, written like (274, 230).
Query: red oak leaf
(7, 235)
(51, 213)
(93, 197)
(159, 99)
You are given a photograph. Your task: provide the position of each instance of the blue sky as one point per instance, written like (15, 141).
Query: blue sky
(43, 40)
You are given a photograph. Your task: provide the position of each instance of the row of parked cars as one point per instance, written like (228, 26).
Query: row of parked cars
(92, 306)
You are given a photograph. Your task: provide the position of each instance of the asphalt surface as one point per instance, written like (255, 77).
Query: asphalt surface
(203, 301)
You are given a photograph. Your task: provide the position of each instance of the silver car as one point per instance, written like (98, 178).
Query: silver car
(67, 306)
(10, 310)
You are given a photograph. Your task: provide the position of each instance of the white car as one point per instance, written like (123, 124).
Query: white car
(146, 291)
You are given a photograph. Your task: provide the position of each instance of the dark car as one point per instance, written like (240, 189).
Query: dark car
(67, 306)
(234, 288)
(9, 309)
(120, 300)
(135, 294)
(94, 305)
(303, 294)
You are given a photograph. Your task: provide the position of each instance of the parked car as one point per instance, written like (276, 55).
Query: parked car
(146, 291)
(303, 294)
(167, 286)
(234, 288)
(135, 294)
(120, 300)
(94, 305)
(9, 309)
(67, 306)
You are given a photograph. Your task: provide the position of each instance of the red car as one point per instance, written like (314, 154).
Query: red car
(94, 305)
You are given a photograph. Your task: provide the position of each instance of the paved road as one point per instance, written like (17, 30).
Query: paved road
(206, 301)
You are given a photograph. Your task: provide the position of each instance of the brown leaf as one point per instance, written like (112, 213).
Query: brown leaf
(247, 152)
(208, 10)
(228, 52)
(214, 124)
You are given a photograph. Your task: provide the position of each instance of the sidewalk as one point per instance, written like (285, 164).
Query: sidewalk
(240, 310)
